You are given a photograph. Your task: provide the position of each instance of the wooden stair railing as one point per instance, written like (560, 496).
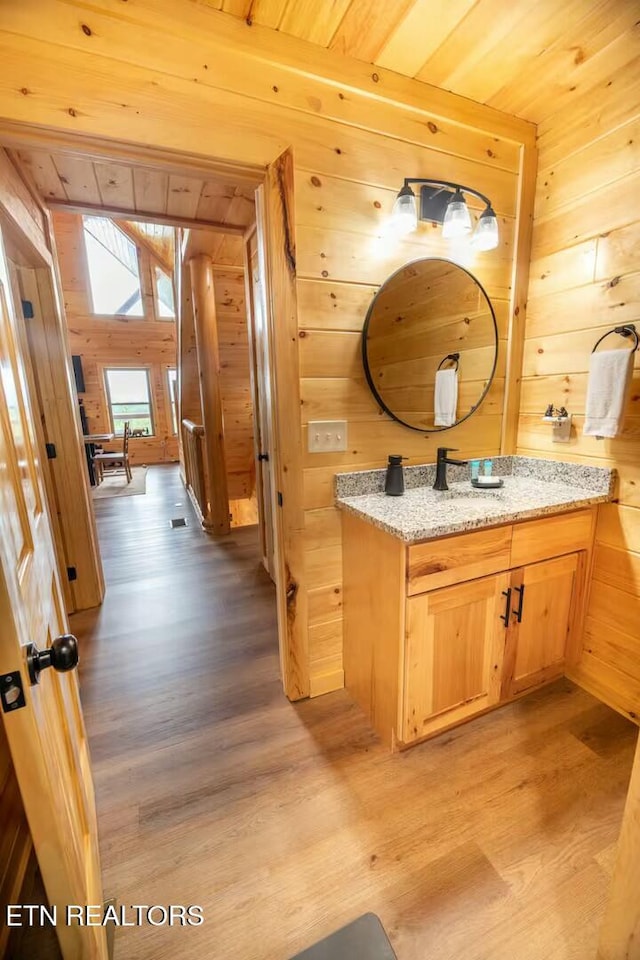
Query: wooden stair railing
(193, 449)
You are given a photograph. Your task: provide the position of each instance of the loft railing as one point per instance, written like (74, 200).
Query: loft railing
(193, 451)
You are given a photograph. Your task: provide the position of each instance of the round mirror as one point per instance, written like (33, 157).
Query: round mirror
(430, 345)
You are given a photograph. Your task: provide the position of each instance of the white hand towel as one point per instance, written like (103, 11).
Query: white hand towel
(609, 378)
(446, 398)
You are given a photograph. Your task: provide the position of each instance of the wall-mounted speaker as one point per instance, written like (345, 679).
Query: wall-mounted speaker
(77, 372)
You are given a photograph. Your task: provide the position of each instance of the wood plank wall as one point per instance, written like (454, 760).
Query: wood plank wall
(240, 93)
(585, 278)
(104, 342)
(343, 256)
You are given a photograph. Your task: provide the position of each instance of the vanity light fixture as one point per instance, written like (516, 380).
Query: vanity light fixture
(443, 202)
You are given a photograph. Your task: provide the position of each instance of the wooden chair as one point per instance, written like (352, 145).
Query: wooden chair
(114, 461)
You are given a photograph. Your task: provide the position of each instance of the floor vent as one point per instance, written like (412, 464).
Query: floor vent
(178, 522)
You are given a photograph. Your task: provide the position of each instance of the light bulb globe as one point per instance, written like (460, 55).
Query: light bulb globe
(486, 235)
(457, 219)
(404, 217)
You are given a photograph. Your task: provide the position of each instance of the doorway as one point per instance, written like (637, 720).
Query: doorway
(151, 546)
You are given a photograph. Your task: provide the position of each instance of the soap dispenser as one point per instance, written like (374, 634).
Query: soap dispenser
(394, 483)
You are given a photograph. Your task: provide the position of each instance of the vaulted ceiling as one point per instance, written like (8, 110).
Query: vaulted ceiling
(526, 57)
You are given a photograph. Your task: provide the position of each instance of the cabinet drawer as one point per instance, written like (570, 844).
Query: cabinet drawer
(535, 540)
(440, 563)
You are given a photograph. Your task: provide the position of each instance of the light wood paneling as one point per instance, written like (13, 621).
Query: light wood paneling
(64, 180)
(524, 59)
(355, 134)
(584, 281)
(235, 382)
(102, 342)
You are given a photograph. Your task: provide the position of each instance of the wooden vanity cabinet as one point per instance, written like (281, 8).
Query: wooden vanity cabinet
(544, 597)
(430, 642)
(453, 653)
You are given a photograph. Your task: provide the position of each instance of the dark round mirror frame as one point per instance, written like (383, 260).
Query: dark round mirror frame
(365, 361)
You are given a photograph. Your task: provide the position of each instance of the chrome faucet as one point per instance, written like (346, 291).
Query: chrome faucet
(441, 467)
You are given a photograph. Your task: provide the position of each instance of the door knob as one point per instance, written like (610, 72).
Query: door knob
(62, 655)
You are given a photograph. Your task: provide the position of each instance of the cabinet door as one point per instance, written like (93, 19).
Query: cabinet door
(541, 615)
(454, 652)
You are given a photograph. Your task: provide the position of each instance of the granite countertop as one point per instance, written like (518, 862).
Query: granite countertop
(531, 489)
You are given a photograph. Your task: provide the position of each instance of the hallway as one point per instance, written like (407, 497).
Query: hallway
(285, 821)
(177, 668)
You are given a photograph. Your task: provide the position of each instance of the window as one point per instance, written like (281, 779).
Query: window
(129, 398)
(164, 295)
(173, 382)
(114, 276)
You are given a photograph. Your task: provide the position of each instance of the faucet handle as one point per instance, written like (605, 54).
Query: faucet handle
(443, 451)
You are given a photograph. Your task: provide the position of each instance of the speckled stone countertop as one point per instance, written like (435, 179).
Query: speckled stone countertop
(532, 488)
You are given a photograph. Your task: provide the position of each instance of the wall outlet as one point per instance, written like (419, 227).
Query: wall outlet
(327, 436)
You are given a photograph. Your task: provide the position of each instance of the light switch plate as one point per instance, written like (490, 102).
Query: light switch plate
(327, 436)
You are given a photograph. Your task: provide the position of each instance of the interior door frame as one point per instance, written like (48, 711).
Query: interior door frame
(68, 497)
(276, 243)
(261, 444)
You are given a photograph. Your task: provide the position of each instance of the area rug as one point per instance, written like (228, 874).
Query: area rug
(117, 486)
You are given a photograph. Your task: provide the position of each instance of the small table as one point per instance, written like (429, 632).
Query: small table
(90, 441)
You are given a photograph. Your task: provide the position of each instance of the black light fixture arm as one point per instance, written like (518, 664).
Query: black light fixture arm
(448, 184)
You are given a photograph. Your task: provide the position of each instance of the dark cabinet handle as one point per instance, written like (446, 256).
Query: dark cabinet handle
(263, 456)
(505, 616)
(518, 613)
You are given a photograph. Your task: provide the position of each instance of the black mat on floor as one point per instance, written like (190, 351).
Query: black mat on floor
(364, 939)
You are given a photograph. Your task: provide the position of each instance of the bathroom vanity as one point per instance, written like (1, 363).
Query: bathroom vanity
(457, 602)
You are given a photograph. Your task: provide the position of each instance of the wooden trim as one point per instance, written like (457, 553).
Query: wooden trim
(620, 933)
(204, 311)
(277, 256)
(518, 301)
(260, 467)
(15, 203)
(52, 140)
(118, 213)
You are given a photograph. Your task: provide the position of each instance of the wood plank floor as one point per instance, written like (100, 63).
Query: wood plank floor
(492, 842)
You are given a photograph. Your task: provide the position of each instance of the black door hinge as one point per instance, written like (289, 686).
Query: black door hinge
(52, 453)
(27, 309)
(11, 692)
(279, 499)
(72, 574)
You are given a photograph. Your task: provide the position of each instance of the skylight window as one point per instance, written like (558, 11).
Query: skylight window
(114, 275)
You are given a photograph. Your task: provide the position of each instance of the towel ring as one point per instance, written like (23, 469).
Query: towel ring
(628, 330)
(456, 356)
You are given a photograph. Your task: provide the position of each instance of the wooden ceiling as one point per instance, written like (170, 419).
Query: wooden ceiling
(525, 57)
(131, 191)
(224, 250)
